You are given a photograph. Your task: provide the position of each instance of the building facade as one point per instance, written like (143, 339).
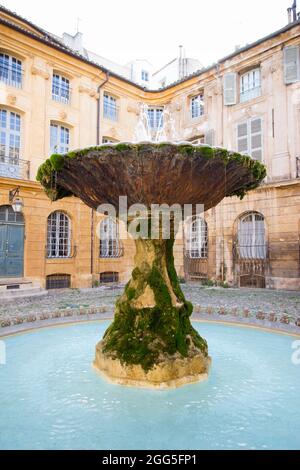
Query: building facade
(53, 99)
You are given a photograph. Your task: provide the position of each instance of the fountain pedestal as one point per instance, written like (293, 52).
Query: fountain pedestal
(151, 342)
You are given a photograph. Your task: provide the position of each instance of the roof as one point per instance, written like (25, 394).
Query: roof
(52, 41)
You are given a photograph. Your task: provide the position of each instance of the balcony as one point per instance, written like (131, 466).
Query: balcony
(250, 94)
(13, 167)
(298, 167)
(11, 76)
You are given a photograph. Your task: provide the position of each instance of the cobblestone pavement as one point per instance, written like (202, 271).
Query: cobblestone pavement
(255, 300)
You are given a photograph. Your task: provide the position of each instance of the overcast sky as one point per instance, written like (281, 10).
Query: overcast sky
(122, 30)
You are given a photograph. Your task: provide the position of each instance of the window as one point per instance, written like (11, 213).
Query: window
(196, 238)
(109, 140)
(109, 277)
(60, 89)
(250, 85)
(291, 64)
(156, 118)
(196, 140)
(10, 137)
(58, 235)
(59, 138)
(249, 138)
(110, 246)
(110, 110)
(58, 281)
(251, 236)
(197, 106)
(145, 76)
(10, 70)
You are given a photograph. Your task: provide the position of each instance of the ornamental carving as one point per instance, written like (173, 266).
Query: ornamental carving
(11, 99)
(40, 72)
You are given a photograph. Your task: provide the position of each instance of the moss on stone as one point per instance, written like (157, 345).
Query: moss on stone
(143, 336)
(57, 161)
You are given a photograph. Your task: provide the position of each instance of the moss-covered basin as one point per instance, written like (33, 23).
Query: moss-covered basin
(150, 173)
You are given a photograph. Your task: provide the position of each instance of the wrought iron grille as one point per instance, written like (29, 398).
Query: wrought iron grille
(58, 281)
(109, 277)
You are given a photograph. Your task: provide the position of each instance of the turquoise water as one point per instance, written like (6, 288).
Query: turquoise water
(51, 398)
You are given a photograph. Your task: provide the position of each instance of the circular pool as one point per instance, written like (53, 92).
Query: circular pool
(52, 398)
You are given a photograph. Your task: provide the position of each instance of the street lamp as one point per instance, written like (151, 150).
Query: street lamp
(15, 200)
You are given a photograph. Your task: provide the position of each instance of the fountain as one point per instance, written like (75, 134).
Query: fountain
(151, 341)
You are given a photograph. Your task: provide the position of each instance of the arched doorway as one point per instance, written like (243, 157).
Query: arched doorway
(11, 242)
(251, 250)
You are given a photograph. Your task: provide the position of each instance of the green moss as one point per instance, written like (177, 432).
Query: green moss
(206, 152)
(140, 336)
(57, 161)
(130, 292)
(122, 147)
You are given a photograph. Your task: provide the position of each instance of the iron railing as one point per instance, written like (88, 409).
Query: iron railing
(14, 167)
(71, 252)
(11, 76)
(109, 251)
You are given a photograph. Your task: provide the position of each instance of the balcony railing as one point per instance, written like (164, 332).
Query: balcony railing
(111, 252)
(250, 94)
(13, 167)
(11, 76)
(110, 112)
(61, 250)
(298, 167)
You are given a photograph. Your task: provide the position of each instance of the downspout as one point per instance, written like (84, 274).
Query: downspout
(98, 143)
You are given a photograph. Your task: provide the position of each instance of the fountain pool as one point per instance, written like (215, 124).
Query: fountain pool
(52, 398)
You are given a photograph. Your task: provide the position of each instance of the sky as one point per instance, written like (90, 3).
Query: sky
(123, 30)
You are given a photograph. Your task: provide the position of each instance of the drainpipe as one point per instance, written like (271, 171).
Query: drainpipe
(98, 143)
(99, 106)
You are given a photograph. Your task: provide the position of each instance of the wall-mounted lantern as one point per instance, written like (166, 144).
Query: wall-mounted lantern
(15, 200)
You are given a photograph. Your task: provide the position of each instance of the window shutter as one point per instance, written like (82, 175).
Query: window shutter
(242, 138)
(229, 89)
(210, 137)
(256, 138)
(291, 62)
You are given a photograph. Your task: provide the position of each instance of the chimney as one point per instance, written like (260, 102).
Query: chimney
(294, 10)
(289, 12)
(180, 64)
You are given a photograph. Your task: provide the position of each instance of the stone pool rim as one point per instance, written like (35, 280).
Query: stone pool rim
(68, 322)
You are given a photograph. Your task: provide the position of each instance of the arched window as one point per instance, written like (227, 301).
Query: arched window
(196, 239)
(58, 235)
(10, 70)
(110, 246)
(251, 236)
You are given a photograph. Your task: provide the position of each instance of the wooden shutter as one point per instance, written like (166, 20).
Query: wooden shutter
(229, 89)
(291, 60)
(256, 143)
(210, 137)
(242, 137)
